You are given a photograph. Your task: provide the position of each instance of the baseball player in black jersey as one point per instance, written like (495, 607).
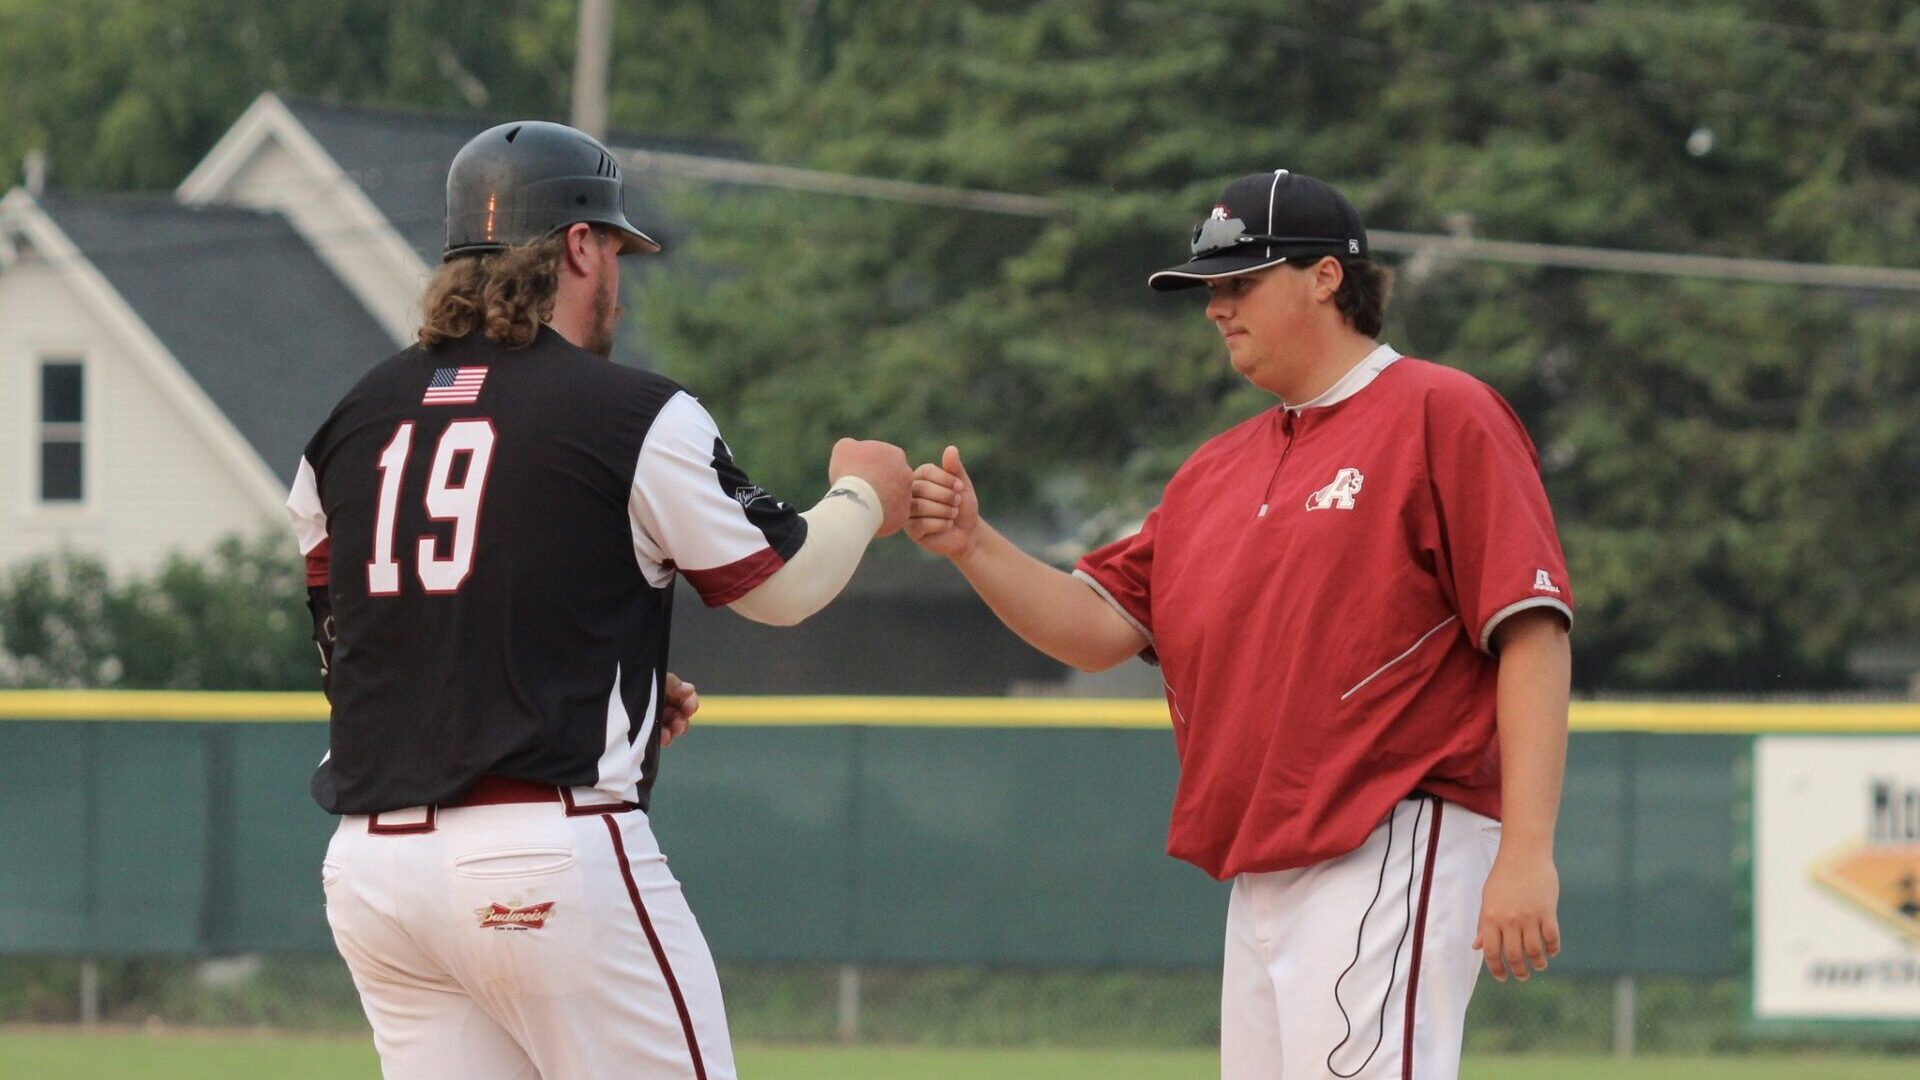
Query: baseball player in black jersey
(493, 520)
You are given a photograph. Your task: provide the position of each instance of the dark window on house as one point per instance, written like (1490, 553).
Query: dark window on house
(63, 414)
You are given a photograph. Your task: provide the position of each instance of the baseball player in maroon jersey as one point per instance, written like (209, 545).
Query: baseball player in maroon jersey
(494, 519)
(1359, 606)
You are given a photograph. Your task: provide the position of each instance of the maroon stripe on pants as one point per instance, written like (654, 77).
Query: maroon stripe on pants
(660, 954)
(1419, 938)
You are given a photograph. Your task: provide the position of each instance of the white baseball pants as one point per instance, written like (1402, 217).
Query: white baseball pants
(1360, 967)
(516, 942)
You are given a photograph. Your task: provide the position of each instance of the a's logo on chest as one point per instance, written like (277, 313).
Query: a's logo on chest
(1339, 494)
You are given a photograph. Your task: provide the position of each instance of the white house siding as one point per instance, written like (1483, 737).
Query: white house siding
(153, 484)
(370, 259)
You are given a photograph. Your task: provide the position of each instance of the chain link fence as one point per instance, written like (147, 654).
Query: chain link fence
(971, 1007)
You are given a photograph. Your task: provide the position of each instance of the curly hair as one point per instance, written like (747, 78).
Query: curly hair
(506, 293)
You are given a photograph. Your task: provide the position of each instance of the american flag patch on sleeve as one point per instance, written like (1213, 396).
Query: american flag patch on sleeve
(454, 386)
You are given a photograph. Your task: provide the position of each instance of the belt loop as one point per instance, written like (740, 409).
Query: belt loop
(575, 809)
(412, 828)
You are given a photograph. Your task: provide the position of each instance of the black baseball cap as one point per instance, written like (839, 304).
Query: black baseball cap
(1265, 219)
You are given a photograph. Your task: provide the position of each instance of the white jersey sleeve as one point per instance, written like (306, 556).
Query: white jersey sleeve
(693, 510)
(309, 523)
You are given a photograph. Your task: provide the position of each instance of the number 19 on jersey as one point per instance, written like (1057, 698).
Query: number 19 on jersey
(445, 501)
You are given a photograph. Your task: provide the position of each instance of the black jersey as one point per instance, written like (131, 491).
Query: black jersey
(496, 532)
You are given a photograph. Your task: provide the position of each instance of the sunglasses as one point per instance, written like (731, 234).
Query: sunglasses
(1217, 235)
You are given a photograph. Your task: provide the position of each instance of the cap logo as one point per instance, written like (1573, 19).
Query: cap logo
(1219, 214)
(1353, 247)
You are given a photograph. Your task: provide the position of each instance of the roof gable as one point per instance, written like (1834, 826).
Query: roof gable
(399, 160)
(241, 302)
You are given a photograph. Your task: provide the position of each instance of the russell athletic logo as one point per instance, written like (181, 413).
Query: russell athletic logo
(498, 916)
(1882, 875)
(1339, 494)
(1543, 582)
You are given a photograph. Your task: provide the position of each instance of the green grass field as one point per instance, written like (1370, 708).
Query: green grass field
(60, 1055)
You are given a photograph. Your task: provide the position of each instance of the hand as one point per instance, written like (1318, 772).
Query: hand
(1518, 923)
(945, 516)
(883, 465)
(683, 700)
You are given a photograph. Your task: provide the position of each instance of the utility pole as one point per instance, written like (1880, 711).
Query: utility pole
(593, 51)
(35, 169)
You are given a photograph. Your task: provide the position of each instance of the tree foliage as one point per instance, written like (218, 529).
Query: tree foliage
(1734, 466)
(128, 95)
(235, 620)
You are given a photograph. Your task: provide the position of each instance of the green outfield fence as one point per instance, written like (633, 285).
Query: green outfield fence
(869, 832)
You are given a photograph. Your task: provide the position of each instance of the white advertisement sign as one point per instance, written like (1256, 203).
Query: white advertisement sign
(1836, 878)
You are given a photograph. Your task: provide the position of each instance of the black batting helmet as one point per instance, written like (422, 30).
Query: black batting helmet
(520, 182)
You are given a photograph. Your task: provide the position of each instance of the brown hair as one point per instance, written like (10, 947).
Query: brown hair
(507, 293)
(1364, 290)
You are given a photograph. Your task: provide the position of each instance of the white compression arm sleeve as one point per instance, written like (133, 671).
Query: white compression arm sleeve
(838, 529)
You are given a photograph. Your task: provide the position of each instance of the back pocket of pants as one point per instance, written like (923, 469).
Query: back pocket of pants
(516, 862)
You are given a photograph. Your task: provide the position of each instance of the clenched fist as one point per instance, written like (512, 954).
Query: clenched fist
(945, 514)
(883, 465)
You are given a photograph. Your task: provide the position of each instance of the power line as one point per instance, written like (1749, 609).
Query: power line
(1724, 268)
(1766, 271)
(648, 163)
(727, 170)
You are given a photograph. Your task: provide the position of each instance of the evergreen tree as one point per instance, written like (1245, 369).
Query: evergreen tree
(1733, 465)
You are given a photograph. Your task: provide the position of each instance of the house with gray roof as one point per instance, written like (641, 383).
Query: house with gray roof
(163, 360)
(367, 187)
(162, 365)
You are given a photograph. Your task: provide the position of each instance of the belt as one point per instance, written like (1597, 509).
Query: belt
(492, 791)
